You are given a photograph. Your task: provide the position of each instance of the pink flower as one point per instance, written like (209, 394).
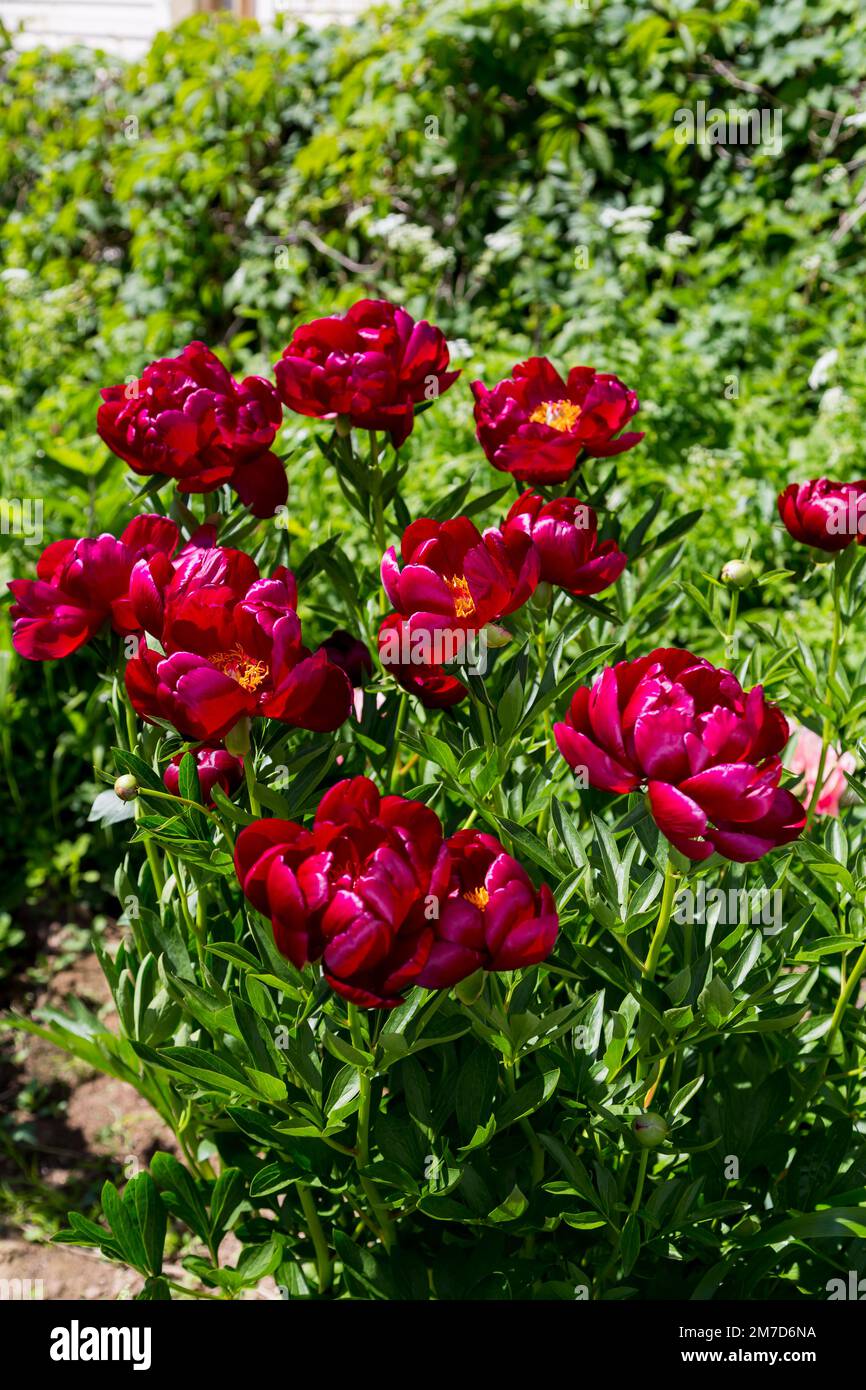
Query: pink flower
(805, 759)
(825, 515)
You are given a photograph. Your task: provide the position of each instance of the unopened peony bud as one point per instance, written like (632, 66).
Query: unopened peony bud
(237, 740)
(738, 574)
(343, 426)
(541, 598)
(495, 635)
(126, 787)
(469, 990)
(650, 1130)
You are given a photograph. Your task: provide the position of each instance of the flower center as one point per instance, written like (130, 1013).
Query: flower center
(242, 668)
(478, 897)
(559, 415)
(464, 604)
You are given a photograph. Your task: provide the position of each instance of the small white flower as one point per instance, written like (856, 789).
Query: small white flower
(822, 370)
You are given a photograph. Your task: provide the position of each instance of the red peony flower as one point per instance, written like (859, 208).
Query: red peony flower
(374, 891)
(371, 366)
(827, 516)
(429, 681)
(707, 752)
(565, 534)
(83, 584)
(216, 767)
(455, 579)
(350, 654)
(231, 648)
(536, 426)
(353, 890)
(188, 419)
(491, 918)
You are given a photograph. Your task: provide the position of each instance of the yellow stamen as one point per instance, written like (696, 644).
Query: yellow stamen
(242, 668)
(559, 415)
(478, 897)
(464, 604)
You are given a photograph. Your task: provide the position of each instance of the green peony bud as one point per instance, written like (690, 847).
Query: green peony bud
(469, 990)
(343, 426)
(126, 787)
(237, 740)
(738, 574)
(495, 635)
(650, 1130)
(541, 598)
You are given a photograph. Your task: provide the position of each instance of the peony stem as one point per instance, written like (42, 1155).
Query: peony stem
(664, 917)
(831, 672)
(317, 1236)
(846, 995)
(250, 779)
(362, 1142)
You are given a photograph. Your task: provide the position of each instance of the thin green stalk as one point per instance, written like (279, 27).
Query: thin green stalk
(317, 1236)
(664, 917)
(832, 663)
(250, 780)
(641, 1178)
(362, 1141)
(846, 995)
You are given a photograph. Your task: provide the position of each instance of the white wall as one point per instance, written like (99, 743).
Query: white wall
(127, 26)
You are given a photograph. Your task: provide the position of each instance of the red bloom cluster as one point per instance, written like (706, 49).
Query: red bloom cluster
(188, 419)
(231, 648)
(707, 751)
(83, 584)
(371, 366)
(536, 426)
(825, 515)
(216, 767)
(565, 534)
(376, 892)
(405, 659)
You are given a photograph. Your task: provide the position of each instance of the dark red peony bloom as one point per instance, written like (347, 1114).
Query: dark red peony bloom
(374, 891)
(492, 917)
(231, 648)
(350, 654)
(455, 579)
(188, 419)
(707, 752)
(354, 890)
(827, 516)
(535, 425)
(371, 366)
(216, 767)
(565, 534)
(404, 658)
(83, 584)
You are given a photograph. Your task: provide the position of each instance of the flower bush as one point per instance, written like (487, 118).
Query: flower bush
(530, 975)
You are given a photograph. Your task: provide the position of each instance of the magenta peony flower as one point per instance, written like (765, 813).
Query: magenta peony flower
(825, 515)
(455, 579)
(492, 917)
(371, 366)
(706, 751)
(83, 584)
(216, 767)
(536, 426)
(428, 681)
(188, 419)
(565, 534)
